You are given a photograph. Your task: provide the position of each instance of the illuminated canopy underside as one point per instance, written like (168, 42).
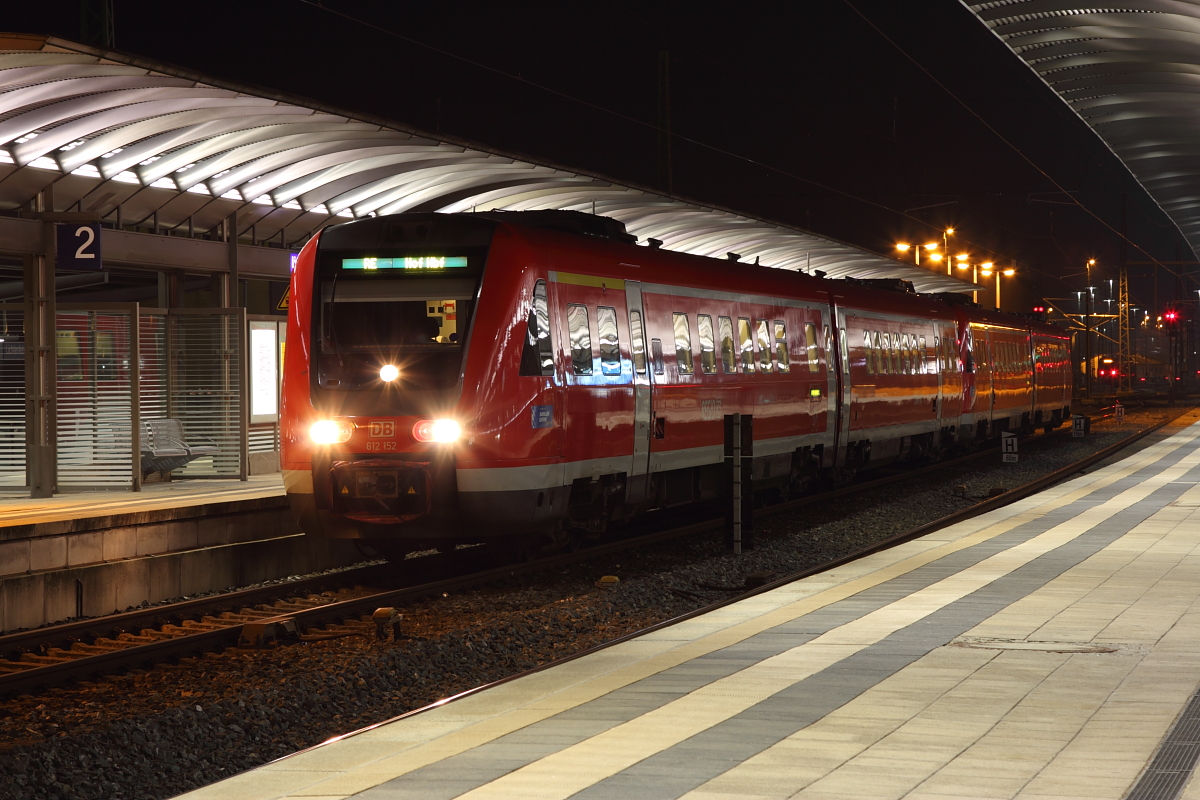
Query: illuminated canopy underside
(1131, 70)
(110, 130)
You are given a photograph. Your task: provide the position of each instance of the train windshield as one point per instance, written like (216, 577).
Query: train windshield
(396, 334)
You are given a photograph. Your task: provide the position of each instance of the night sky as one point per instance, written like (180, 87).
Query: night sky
(800, 112)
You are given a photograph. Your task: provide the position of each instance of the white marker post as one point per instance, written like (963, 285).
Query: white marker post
(1120, 414)
(1008, 447)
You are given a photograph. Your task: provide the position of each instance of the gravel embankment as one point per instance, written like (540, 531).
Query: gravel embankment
(157, 733)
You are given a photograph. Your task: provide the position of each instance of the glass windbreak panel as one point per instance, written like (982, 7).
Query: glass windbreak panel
(70, 358)
(581, 340)
(708, 354)
(810, 345)
(537, 357)
(763, 332)
(610, 350)
(637, 338)
(781, 353)
(728, 353)
(869, 352)
(106, 358)
(683, 343)
(746, 343)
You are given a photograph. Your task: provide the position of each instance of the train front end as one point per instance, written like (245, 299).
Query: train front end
(379, 324)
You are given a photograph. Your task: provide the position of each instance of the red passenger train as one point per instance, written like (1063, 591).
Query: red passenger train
(454, 378)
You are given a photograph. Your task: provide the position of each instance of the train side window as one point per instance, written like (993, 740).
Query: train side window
(728, 353)
(877, 353)
(810, 344)
(610, 350)
(906, 366)
(708, 353)
(656, 355)
(637, 341)
(845, 350)
(70, 359)
(868, 353)
(683, 343)
(764, 344)
(781, 353)
(746, 343)
(581, 340)
(537, 357)
(926, 367)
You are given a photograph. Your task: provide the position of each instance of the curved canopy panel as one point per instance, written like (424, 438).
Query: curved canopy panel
(146, 145)
(1131, 70)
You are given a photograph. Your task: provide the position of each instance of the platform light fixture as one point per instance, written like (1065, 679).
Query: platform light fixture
(388, 373)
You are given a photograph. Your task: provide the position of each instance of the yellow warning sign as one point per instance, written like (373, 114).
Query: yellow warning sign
(345, 490)
(411, 490)
(282, 305)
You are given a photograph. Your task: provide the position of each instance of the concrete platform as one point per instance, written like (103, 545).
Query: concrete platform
(93, 553)
(1043, 650)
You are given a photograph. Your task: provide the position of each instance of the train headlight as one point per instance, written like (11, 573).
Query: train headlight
(331, 431)
(443, 431)
(389, 373)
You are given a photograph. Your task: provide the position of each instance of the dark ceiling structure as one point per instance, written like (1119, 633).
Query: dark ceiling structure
(148, 144)
(1131, 71)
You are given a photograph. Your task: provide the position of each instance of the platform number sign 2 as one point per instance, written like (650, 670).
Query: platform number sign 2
(78, 246)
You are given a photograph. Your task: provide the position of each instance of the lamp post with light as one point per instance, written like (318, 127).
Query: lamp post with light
(904, 248)
(988, 269)
(1087, 329)
(946, 234)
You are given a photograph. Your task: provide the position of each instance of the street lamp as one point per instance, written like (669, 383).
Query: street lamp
(987, 271)
(946, 234)
(1087, 329)
(904, 248)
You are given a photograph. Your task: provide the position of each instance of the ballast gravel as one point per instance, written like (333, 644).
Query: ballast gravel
(157, 733)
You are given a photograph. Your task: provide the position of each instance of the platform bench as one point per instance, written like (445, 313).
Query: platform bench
(166, 448)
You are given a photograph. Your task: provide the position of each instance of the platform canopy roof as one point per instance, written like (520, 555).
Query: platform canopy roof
(183, 152)
(1131, 70)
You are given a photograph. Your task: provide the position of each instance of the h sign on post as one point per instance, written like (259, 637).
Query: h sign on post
(1008, 447)
(78, 245)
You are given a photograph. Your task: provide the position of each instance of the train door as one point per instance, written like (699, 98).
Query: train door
(985, 379)
(839, 385)
(641, 379)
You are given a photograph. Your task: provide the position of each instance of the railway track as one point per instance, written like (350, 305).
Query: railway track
(324, 607)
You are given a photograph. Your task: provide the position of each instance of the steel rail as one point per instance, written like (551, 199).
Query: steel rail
(49, 675)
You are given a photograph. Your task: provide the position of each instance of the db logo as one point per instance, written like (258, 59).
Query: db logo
(381, 429)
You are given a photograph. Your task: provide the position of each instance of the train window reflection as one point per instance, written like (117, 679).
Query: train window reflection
(781, 353)
(728, 354)
(845, 350)
(869, 352)
(877, 354)
(746, 344)
(683, 343)
(926, 366)
(764, 344)
(581, 340)
(537, 357)
(708, 355)
(656, 355)
(637, 339)
(810, 345)
(610, 350)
